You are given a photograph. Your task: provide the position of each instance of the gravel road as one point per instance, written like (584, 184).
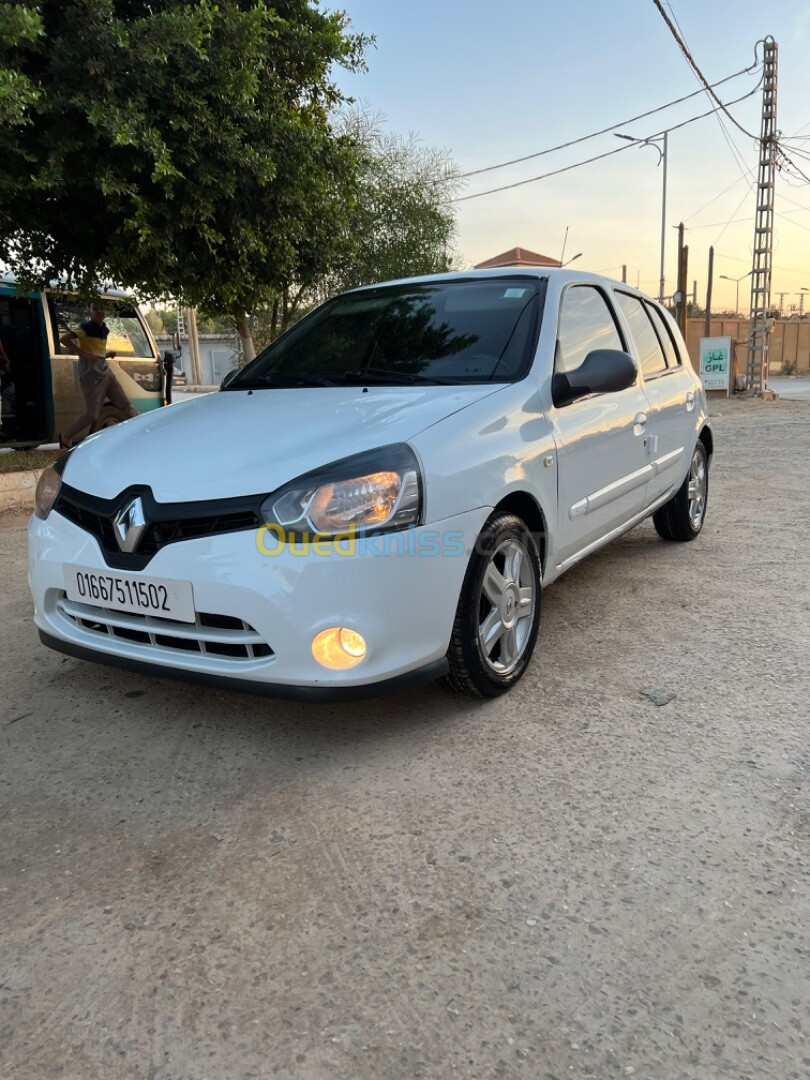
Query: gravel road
(571, 881)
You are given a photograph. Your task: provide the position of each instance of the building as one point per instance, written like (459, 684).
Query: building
(218, 354)
(518, 256)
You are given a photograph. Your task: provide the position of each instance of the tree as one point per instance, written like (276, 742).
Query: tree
(396, 216)
(19, 26)
(402, 223)
(183, 147)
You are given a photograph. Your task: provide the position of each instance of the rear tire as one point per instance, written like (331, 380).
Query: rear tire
(498, 614)
(681, 519)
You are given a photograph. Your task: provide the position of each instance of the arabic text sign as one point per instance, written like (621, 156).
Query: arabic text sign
(715, 362)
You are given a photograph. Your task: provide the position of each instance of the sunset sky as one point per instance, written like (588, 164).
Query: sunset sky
(491, 82)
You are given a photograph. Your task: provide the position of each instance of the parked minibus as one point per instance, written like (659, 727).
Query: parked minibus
(39, 386)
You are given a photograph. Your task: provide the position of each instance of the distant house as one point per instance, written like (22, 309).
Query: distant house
(518, 257)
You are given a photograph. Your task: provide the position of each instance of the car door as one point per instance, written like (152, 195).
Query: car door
(669, 389)
(602, 463)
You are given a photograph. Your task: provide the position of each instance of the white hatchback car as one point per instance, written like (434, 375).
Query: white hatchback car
(379, 497)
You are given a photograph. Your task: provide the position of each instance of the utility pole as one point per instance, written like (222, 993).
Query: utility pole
(708, 322)
(624, 274)
(763, 227)
(194, 345)
(781, 303)
(683, 263)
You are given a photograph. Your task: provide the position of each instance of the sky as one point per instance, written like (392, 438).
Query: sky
(489, 82)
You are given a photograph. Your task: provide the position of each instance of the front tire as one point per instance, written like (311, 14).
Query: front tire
(108, 417)
(498, 614)
(681, 519)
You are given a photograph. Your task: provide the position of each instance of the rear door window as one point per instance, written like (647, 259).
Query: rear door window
(648, 347)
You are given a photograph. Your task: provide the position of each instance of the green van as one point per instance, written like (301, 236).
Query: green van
(39, 387)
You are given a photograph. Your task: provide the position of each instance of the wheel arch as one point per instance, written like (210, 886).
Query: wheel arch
(707, 438)
(526, 507)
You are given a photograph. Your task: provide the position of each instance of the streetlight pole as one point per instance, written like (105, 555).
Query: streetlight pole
(801, 300)
(736, 281)
(662, 160)
(663, 220)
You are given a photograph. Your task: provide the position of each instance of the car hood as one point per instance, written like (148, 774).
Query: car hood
(243, 443)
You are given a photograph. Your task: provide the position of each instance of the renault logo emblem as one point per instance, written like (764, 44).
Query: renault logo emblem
(129, 524)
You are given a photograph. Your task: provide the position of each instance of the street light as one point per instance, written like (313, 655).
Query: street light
(662, 151)
(801, 300)
(737, 281)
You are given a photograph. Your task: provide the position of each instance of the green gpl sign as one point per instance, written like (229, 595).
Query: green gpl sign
(715, 362)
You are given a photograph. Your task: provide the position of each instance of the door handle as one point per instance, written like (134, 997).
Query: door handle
(690, 400)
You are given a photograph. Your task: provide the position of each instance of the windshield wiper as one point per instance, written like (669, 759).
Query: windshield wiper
(381, 377)
(293, 381)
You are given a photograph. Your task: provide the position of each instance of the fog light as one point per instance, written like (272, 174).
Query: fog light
(338, 648)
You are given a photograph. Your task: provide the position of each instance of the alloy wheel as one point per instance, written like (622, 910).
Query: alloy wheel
(506, 609)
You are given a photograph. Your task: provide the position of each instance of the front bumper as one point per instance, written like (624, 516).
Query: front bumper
(403, 602)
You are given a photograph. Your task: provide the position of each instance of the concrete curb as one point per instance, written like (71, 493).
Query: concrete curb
(17, 490)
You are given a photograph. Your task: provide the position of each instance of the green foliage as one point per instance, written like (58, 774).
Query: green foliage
(182, 147)
(155, 320)
(402, 222)
(392, 218)
(20, 25)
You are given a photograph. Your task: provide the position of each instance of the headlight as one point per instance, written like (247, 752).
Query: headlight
(48, 485)
(380, 489)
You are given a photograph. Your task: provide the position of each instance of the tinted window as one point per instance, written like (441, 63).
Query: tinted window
(586, 323)
(648, 347)
(454, 331)
(665, 334)
(127, 337)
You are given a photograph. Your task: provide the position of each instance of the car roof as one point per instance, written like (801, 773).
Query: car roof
(557, 274)
(7, 278)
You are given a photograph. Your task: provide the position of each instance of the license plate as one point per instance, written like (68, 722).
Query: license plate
(128, 592)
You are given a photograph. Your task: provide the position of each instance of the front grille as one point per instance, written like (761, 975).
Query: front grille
(168, 532)
(168, 523)
(220, 636)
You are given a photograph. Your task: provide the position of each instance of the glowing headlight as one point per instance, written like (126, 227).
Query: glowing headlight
(47, 490)
(376, 490)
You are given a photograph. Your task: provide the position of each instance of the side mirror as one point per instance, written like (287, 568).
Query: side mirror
(176, 344)
(603, 371)
(229, 377)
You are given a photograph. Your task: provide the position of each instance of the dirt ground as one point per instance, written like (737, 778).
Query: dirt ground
(571, 881)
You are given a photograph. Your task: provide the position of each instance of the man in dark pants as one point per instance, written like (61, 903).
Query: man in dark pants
(96, 380)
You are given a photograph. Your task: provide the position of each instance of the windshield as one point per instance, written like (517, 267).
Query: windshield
(453, 332)
(126, 335)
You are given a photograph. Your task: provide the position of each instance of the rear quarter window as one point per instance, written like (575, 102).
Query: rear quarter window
(664, 335)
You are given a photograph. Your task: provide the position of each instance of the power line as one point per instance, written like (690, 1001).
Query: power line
(733, 216)
(595, 134)
(693, 64)
(714, 198)
(739, 160)
(597, 157)
(781, 269)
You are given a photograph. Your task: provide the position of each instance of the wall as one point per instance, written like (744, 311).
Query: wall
(789, 342)
(217, 356)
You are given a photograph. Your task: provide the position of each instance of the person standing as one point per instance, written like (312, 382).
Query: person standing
(96, 380)
(7, 396)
